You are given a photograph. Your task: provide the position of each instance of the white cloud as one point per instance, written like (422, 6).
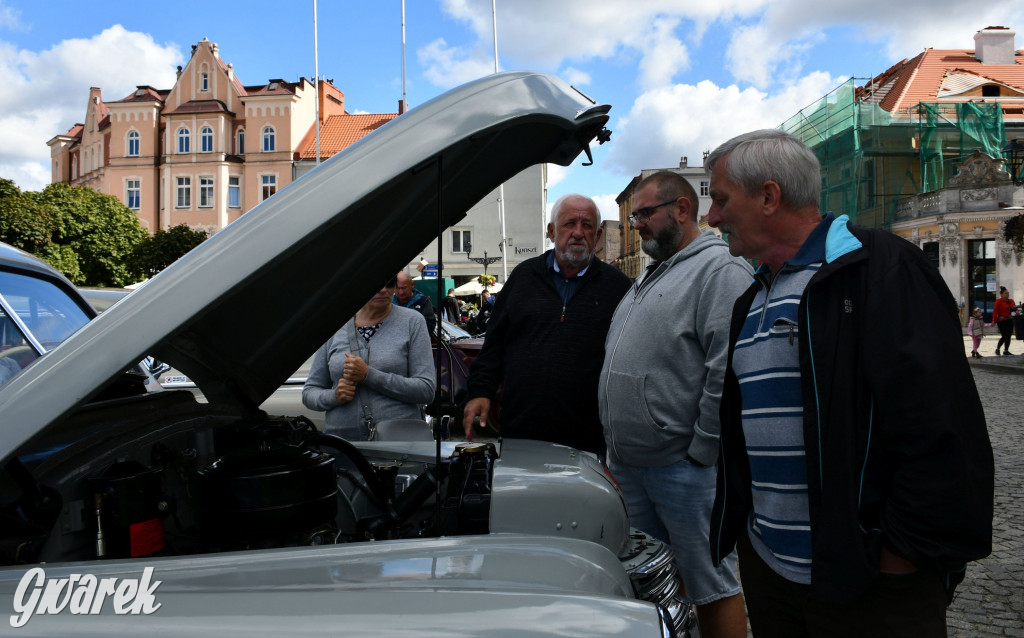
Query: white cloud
(47, 92)
(606, 204)
(665, 56)
(666, 124)
(449, 66)
(575, 77)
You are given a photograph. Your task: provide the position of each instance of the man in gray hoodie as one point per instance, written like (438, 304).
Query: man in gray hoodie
(660, 388)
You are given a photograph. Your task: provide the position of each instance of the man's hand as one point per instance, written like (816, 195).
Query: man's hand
(345, 391)
(355, 368)
(476, 410)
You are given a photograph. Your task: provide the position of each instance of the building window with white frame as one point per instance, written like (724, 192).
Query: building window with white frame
(205, 192)
(240, 149)
(184, 140)
(269, 139)
(133, 193)
(133, 144)
(705, 188)
(183, 193)
(234, 192)
(461, 242)
(206, 139)
(269, 183)
(204, 81)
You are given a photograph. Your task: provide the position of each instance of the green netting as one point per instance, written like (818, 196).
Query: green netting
(871, 158)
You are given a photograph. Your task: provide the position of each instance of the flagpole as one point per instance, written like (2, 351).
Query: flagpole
(501, 187)
(405, 105)
(316, 84)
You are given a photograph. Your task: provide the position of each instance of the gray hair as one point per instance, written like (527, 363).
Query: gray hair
(771, 155)
(564, 198)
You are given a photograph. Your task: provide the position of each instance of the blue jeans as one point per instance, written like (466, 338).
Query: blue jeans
(673, 504)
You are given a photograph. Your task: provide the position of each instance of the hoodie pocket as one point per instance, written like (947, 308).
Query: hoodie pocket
(628, 413)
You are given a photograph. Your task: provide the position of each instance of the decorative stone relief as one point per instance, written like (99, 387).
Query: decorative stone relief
(1004, 248)
(978, 194)
(949, 243)
(980, 168)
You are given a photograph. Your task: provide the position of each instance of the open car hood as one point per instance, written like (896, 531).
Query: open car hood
(239, 313)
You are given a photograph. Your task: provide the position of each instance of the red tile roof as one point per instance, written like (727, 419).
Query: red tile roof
(339, 132)
(920, 79)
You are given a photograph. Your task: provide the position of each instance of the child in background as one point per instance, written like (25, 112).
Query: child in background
(976, 328)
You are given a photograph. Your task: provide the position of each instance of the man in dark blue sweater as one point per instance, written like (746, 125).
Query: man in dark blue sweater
(545, 339)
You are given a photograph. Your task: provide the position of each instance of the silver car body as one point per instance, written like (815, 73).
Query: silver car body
(556, 557)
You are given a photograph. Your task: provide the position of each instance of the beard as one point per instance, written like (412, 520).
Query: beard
(665, 243)
(575, 256)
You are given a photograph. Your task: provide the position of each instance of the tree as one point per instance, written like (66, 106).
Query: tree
(1013, 232)
(165, 247)
(86, 235)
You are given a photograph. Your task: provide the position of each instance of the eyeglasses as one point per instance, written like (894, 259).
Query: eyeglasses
(642, 215)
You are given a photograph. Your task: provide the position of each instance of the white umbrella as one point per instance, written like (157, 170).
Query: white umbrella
(474, 287)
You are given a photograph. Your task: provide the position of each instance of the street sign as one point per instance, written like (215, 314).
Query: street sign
(430, 271)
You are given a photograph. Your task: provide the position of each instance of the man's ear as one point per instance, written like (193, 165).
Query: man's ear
(551, 232)
(684, 209)
(771, 194)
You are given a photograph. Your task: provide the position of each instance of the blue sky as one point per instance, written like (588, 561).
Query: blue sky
(682, 76)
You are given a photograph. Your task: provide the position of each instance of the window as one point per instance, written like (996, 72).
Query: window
(241, 141)
(205, 192)
(133, 144)
(269, 186)
(133, 194)
(705, 188)
(990, 90)
(74, 167)
(269, 144)
(204, 81)
(184, 193)
(234, 199)
(206, 139)
(461, 241)
(184, 140)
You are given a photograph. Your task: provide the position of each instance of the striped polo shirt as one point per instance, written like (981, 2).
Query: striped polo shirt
(766, 361)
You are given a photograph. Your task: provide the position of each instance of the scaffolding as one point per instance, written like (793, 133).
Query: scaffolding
(871, 158)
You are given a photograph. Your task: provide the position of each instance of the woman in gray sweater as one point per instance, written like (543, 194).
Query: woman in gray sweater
(379, 366)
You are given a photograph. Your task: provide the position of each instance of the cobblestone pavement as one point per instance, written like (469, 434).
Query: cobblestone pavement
(990, 601)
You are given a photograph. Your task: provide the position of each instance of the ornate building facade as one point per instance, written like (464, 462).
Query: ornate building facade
(961, 228)
(206, 150)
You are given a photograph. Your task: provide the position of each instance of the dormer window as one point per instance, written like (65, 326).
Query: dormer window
(269, 139)
(990, 90)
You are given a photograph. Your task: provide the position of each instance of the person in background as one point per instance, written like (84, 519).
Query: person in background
(379, 366)
(545, 339)
(976, 328)
(855, 472)
(450, 307)
(407, 296)
(1001, 316)
(664, 360)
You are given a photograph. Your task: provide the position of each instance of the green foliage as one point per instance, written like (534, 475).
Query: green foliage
(1013, 232)
(86, 235)
(165, 247)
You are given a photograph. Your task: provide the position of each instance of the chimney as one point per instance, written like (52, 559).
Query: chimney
(682, 162)
(401, 106)
(994, 45)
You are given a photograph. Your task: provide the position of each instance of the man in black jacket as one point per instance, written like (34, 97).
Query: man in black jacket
(545, 338)
(855, 472)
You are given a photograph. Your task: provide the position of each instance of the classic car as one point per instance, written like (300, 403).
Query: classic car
(147, 510)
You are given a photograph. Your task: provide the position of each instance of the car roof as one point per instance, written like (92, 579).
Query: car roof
(239, 313)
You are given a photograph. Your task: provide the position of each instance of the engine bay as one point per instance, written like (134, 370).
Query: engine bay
(211, 484)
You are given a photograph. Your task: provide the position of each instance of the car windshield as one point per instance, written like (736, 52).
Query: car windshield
(46, 311)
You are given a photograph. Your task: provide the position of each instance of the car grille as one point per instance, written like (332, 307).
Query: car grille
(652, 569)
